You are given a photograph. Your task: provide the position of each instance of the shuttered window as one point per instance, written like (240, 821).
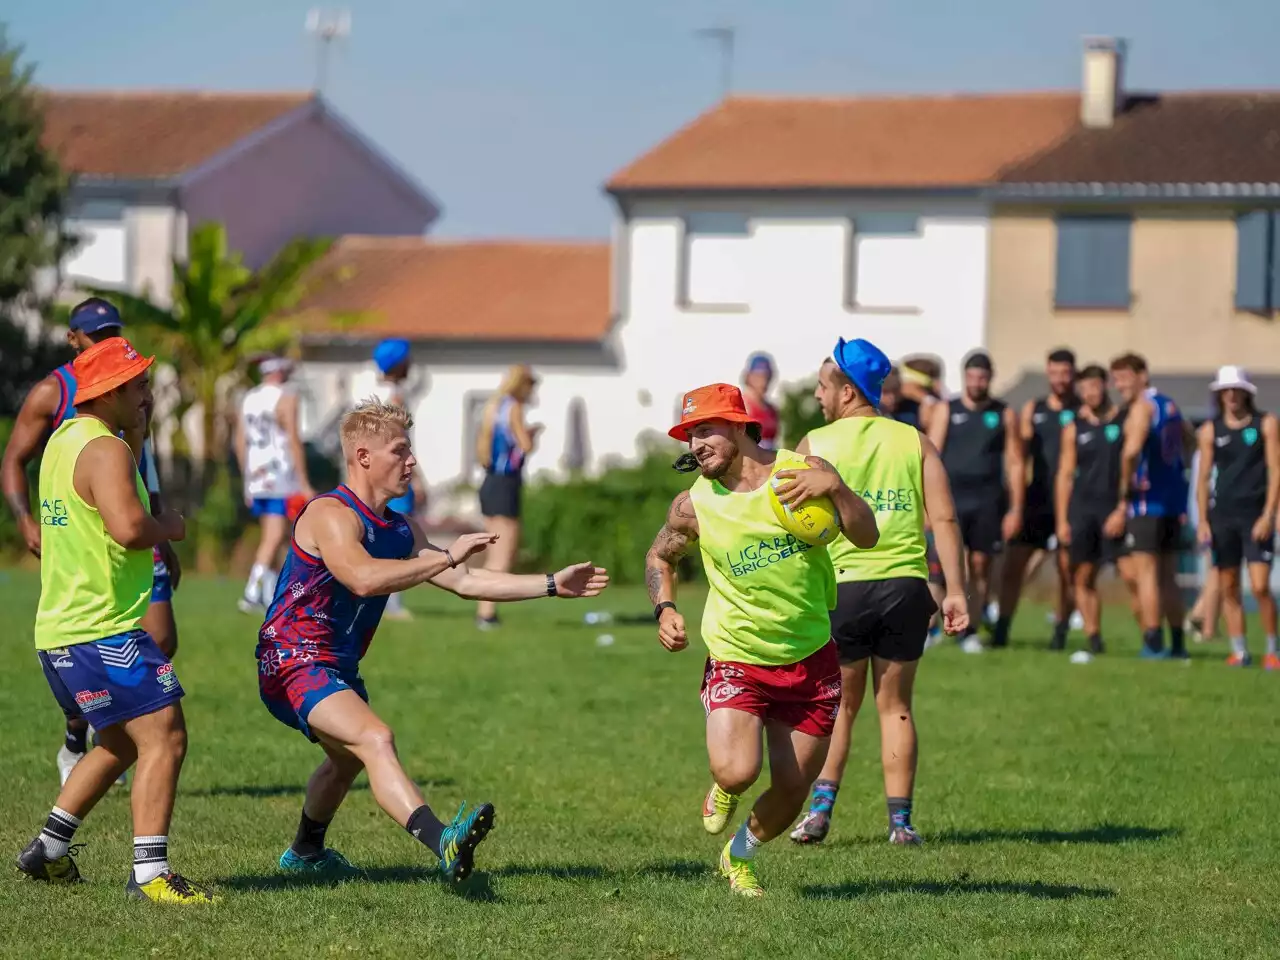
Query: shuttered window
(1093, 261)
(1258, 261)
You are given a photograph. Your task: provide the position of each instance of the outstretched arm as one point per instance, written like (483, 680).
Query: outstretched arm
(677, 535)
(578, 580)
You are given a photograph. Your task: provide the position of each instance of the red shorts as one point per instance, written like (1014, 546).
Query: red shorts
(803, 695)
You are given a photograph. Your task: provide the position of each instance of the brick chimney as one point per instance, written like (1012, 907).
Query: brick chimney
(1102, 87)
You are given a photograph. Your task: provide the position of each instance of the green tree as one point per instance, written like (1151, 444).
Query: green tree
(799, 412)
(33, 197)
(220, 316)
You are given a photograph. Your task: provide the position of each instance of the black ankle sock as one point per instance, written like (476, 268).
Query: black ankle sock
(1153, 639)
(1095, 643)
(1060, 630)
(424, 827)
(1000, 633)
(899, 811)
(1177, 642)
(77, 738)
(310, 839)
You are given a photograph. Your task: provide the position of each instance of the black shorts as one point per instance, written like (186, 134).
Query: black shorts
(1153, 535)
(980, 522)
(883, 618)
(500, 495)
(1233, 542)
(1089, 544)
(1039, 528)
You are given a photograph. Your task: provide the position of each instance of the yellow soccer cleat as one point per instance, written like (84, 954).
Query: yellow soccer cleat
(169, 888)
(740, 873)
(717, 808)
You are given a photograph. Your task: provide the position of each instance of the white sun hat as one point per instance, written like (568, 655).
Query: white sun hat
(1232, 377)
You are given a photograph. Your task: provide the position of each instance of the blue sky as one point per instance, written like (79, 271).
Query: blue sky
(513, 113)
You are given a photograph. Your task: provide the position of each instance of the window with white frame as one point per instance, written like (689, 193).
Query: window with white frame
(716, 267)
(101, 255)
(884, 262)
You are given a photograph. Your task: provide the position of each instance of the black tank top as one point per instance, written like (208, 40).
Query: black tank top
(1045, 446)
(1240, 458)
(908, 411)
(1098, 449)
(973, 453)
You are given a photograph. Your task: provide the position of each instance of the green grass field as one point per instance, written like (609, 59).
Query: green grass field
(1119, 809)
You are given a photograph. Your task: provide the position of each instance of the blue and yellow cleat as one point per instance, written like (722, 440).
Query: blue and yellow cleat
(328, 863)
(169, 888)
(32, 864)
(459, 841)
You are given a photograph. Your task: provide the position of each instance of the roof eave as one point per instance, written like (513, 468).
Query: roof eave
(1129, 191)
(642, 192)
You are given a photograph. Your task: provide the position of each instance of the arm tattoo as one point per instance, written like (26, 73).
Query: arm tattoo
(671, 543)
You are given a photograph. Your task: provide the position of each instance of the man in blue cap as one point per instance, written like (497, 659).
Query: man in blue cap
(883, 605)
(47, 405)
(391, 357)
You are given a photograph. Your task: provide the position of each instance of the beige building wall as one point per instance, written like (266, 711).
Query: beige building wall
(1182, 279)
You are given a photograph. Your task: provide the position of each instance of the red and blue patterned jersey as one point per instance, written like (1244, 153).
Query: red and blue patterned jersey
(66, 377)
(313, 618)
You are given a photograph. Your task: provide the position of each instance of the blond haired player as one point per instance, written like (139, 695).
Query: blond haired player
(772, 668)
(349, 551)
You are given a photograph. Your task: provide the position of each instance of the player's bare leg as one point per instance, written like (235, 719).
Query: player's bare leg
(817, 821)
(326, 790)
(1172, 607)
(894, 683)
(1260, 585)
(261, 585)
(499, 557)
(1089, 604)
(979, 593)
(1233, 616)
(159, 622)
(1013, 572)
(735, 757)
(345, 723)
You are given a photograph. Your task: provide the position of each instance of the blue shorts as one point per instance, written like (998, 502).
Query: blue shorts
(290, 690)
(269, 507)
(161, 583)
(112, 680)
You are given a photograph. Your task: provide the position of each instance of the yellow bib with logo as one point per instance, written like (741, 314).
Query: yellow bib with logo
(770, 593)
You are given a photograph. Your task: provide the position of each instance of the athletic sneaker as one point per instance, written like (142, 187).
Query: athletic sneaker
(741, 874)
(1271, 662)
(67, 762)
(32, 864)
(813, 828)
(1146, 653)
(972, 644)
(1240, 660)
(717, 808)
(169, 888)
(485, 624)
(905, 837)
(253, 607)
(459, 841)
(330, 862)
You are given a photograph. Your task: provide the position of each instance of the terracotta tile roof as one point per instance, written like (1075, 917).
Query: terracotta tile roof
(1169, 138)
(481, 290)
(903, 142)
(145, 135)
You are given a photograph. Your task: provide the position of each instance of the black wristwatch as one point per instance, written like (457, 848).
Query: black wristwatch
(552, 590)
(664, 605)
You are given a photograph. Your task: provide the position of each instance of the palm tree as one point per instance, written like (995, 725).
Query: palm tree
(219, 317)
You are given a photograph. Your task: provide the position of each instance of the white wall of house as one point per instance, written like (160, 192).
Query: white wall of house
(125, 243)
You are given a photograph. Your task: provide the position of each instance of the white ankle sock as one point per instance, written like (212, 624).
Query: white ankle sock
(59, 830)
(744, 843)
(1271, 643)
(150, 858)
(1239, 646)
(253, 586)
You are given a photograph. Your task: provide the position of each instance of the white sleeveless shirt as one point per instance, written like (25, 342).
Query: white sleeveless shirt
(269, 468)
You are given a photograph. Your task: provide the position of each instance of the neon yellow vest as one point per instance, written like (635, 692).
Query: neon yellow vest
(90, 586)
(770, 593)
(880, 460)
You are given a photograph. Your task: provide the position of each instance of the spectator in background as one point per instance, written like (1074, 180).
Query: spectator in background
(391, 357)
(504, 441)
(756, 380)
(919, 387)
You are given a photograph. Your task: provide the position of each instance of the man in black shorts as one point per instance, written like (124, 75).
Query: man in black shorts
(981, 447)
(1087, 485)
(883, 606)
(1041, 424)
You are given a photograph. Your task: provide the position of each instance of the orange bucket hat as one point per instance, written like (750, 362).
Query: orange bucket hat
(718, 401)
(105, 366)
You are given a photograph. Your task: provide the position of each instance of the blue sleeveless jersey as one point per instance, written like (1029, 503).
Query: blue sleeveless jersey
(1159, 487)
(66, 377)
(505, 456)
(315, 619)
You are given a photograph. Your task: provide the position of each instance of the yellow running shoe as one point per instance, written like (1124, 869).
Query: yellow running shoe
(717, 808)
(741, 874)
(169, 888)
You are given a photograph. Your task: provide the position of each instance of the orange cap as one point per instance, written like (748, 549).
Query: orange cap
(105, 366)
(718, 401)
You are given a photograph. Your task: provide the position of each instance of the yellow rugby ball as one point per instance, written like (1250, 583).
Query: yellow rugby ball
(814, 521)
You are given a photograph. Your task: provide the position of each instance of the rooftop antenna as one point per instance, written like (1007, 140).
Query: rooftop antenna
(326, 26)
(724, 37)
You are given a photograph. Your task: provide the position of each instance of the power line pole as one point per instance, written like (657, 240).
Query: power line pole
(326, 26)
(724, 37)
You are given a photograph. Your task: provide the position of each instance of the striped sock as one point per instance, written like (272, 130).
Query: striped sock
(59, 830)
(150, 858)
(824, 796)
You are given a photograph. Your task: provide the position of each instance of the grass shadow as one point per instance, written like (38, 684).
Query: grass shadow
(266, 882)
(1103, 833)
(552, 871)
(265, 791)
(937, 888)
(677, 870)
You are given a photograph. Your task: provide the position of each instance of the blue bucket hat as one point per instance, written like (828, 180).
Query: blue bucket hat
(864, 364)
(390, 353)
